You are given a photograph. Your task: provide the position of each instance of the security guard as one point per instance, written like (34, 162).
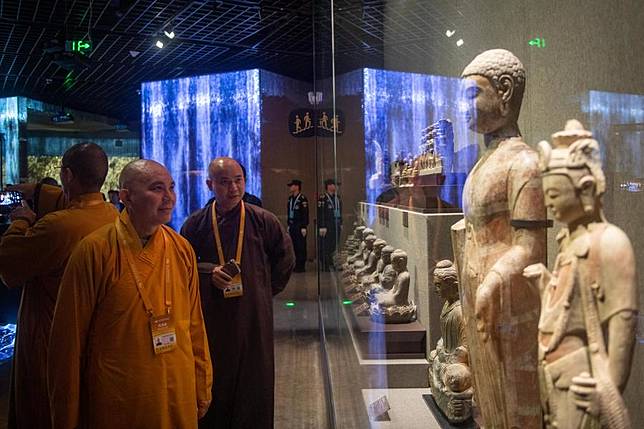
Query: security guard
(329, 224)
(298, 220)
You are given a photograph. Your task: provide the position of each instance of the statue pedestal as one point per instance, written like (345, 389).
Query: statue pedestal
(442, 420)
(390, 341)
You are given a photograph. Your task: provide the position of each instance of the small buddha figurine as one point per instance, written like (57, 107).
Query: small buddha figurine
(372, 260)
(385, 259)
(394, 306)
(351, 275)
(589, 302)
(358, 256)
(450, 377)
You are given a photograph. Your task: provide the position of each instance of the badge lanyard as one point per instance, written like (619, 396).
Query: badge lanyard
(240, 238)
(292, 204)
(334, 204)
(137, 279)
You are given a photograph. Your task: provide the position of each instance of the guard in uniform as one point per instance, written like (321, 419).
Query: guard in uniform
(329, 224)
(298, 220)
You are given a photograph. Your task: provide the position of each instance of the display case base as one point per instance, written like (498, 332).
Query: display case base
(390, 341)
(442, 420)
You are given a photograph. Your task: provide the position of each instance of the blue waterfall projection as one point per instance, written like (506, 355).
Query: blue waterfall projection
(397, 107)
(9, 127)
(606, 109)
(187, 122)
(7, 339)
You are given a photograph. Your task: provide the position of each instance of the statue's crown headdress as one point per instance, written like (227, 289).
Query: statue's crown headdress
(573, 153)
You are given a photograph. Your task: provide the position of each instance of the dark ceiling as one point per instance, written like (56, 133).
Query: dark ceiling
(210, 36)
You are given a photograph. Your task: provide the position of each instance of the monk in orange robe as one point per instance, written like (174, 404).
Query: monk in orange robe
(33, 254)
(128, 346)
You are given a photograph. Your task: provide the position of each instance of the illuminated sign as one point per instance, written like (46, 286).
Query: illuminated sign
(80, 46)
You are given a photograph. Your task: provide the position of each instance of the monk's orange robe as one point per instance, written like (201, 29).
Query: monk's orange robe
(36, 257)
(102, 370)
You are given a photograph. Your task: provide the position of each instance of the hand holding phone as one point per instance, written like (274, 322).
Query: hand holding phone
(222, 275)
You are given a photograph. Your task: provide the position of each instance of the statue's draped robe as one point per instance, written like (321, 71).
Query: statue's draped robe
(36, 256)
(240, 330)
(102, 369)
(503, 186)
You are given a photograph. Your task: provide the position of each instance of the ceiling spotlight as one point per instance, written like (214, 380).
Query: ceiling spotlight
(169, 35)
(450, 33)
(159, 44)
(459, 42)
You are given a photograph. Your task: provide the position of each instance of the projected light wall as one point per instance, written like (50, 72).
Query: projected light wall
(9, 138)
(187, 122)
(397, 107)
(607, 109)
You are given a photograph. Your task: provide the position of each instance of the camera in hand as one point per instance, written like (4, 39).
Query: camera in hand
(231, 268)
(9, 200)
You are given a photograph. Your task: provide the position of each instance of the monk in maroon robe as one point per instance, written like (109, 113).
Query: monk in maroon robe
(239, 323)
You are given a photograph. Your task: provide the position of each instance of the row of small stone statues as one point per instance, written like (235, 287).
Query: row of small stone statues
(376, 273)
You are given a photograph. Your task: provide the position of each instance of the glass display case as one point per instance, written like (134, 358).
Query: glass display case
(393, 71)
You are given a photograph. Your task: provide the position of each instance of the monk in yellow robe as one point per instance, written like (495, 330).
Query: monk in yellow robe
(33, 254)
(128, 347)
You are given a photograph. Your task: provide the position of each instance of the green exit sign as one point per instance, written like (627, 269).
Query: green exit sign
(537, 42)
(80, 46)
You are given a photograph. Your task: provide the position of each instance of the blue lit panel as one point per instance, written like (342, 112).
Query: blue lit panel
(606, 109)
(188, 122)
(397, 107)
(9, 129)
(7, 341)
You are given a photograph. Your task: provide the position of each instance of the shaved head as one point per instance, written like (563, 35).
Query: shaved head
(88, 163)
(226, 180)
(138, 171)
(147, 190)
(223, 164)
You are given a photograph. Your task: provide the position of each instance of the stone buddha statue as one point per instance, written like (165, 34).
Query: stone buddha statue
(502, 233)
(589, 302)
(394, 306)
(359, 251)
(384, 261)
(450, 377)
(350, 274)
(372, 260)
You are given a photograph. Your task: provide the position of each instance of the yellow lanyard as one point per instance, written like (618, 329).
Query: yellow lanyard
(137, 278)
(240, 238)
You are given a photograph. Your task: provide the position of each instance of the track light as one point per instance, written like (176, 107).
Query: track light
(459, 42)
(159, 44)
(169, 35)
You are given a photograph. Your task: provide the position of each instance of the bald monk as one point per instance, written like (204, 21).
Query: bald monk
(239, 309)
(33, 254)
(128, 346)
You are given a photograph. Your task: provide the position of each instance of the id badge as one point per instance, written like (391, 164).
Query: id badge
(164, 336)
(236, 288)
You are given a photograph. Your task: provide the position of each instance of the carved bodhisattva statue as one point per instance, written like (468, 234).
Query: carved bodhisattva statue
(502, 233)
(394, 306)
(449, 374)
(360, 255)
(589, 302)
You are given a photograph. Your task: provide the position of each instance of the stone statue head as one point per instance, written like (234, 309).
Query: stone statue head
(399, 260)
(366, 232)
(358, 231)
(385, 254)
(446, 280)
(378, 245)
(494, 83)
(369, 240)
(573, 181)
